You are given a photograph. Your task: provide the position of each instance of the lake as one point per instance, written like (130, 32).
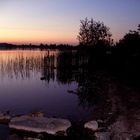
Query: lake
(70, 85)
(33, 80)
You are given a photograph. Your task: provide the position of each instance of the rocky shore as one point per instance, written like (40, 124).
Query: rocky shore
(35, 126)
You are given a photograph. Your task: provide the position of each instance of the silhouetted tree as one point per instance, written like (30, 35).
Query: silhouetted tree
(130, 44)
(92, 33)
(128, 56)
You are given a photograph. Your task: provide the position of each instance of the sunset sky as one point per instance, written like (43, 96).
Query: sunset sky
(57, 21)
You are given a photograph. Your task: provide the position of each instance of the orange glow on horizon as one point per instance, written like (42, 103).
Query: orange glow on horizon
(36, 37)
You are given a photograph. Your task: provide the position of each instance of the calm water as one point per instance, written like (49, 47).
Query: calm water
(41, 80)
(67, 85)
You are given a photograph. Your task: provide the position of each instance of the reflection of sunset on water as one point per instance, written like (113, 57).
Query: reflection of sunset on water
(20, 63)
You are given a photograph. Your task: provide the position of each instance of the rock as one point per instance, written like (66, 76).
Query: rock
(102, 135)
(28, 123)
(4, 118)
(92, 125)
(43, 78)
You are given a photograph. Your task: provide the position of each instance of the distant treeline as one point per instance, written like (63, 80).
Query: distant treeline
(7, 46)
(92, 35)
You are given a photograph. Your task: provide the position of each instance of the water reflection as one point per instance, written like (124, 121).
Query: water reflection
(23, 64)
(68, 85)
(41, 80)
(64, 67)
(76, 84)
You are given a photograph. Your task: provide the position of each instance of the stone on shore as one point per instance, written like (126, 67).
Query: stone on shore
(92, 125)
(35, 124)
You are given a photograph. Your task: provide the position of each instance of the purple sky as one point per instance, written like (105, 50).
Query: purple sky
(57, 21)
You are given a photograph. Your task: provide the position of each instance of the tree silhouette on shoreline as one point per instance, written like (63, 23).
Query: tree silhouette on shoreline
(93, 33)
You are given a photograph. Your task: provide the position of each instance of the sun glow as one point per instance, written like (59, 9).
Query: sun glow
(37, 37)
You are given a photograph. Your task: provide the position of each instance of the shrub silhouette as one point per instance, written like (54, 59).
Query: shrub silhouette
(130, 44)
